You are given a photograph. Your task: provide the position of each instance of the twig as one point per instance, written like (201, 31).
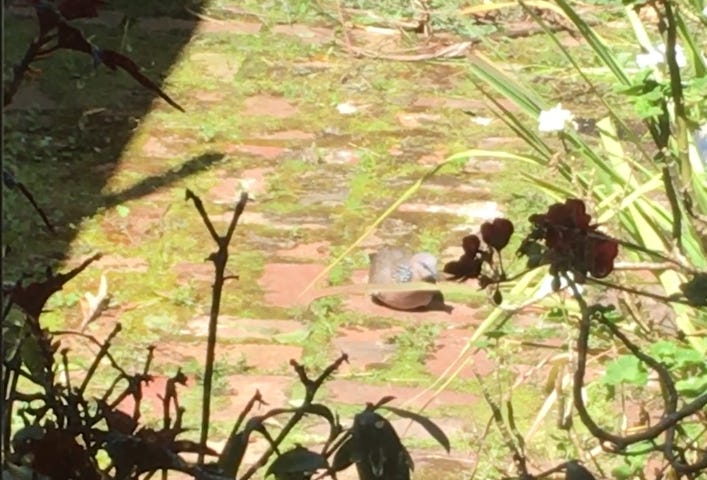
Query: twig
(480, 446)
(11, 374)
(65, 364)
(669, 391)
(643, 293)
(256, 398)
(170, 396)
(95, 305)
(98, 358)
(649, 266)
(676, 89)
(220, 259)
(106, 395)
(148, 360)
(232, 454)
(457, 50)
(93, 340)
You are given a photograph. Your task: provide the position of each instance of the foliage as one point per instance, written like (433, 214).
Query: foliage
(649, 187)
(578, 253)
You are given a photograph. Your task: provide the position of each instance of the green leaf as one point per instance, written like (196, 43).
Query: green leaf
(36, 359)
(525, 98)
(634, 462)
(692, 386)
(481, 344)
(624, 472)
(691, 46)
(677, 356)
(597, 44)
(625, 369)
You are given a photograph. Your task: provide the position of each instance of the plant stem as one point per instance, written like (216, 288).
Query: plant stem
(220, 259)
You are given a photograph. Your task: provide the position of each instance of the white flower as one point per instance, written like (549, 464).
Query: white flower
(649, 60)
(704, 12)
(554, 120)
(656, 56)
(679, 55)
(547, 286)
(347, 108)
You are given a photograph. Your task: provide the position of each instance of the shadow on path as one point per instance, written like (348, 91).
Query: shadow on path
(67, 127)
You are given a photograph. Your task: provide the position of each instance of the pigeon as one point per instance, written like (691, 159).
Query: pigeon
(395, 265)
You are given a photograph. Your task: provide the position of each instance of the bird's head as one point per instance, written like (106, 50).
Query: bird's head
(424, 267)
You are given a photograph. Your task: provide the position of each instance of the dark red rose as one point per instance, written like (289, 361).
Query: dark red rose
(497, 233)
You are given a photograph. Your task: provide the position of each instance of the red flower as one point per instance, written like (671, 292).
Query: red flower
(465, 268)
(603, 252)
(471, 244)
(497, 233)
(573, 243)
(469, 264)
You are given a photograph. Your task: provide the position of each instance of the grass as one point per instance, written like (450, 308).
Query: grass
(324, 316)
(411, 348)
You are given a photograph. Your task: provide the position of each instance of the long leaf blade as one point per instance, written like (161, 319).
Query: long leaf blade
(426, 423)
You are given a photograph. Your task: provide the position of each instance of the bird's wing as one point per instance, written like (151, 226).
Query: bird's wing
(384, 263)
(402, 273)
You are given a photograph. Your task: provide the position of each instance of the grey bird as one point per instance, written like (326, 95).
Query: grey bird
(395, 265)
